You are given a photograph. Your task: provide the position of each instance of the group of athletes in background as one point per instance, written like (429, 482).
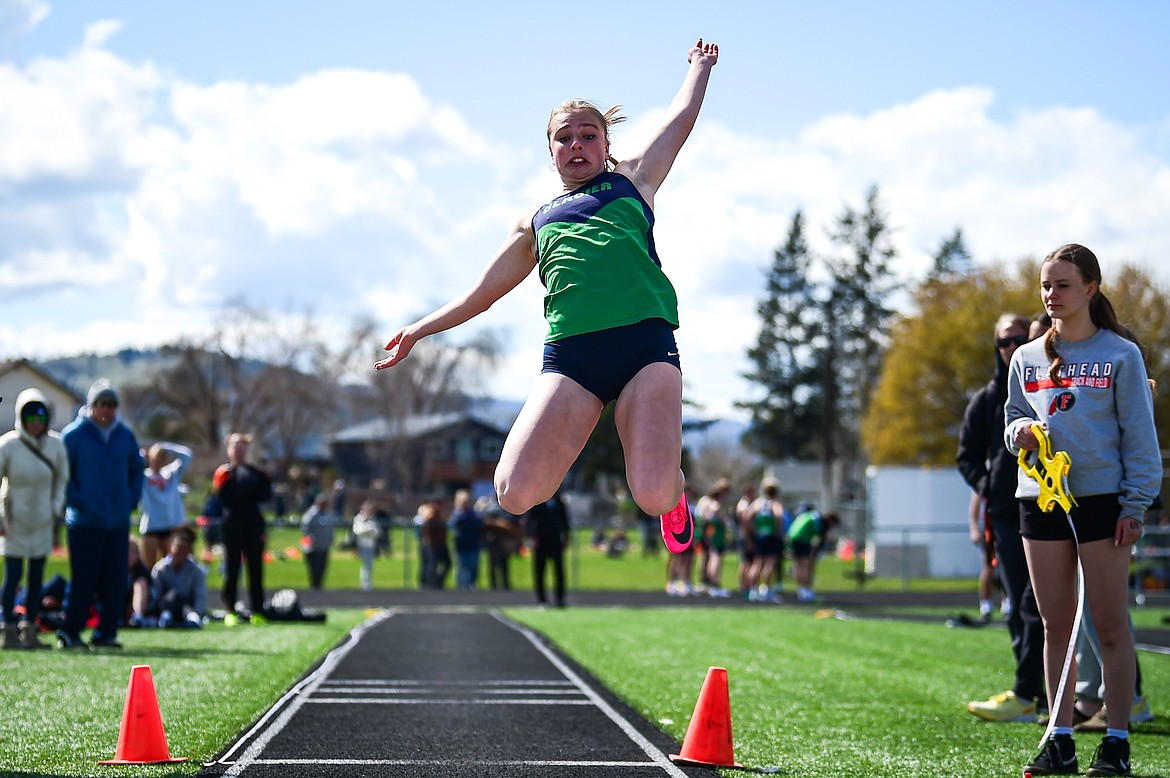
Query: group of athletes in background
(762, 531)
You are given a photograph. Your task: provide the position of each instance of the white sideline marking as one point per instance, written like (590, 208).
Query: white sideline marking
(302, 692)
(452, 762)
(440, 701)
(391, 682)
(295, 699)
(660, 759)
(420, 690)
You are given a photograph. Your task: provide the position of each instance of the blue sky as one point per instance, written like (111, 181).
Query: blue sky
(157, 159)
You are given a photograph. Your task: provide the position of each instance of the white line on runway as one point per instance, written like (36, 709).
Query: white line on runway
(453, 762)
(391, 682)
(291, 702)
(423, 690)
(301, 694)
(441, 701)
(659, 758)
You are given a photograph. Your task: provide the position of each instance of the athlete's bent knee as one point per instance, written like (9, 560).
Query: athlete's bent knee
(655, 502)
(514, 501)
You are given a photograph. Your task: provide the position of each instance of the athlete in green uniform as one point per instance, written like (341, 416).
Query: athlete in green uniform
(561, 412)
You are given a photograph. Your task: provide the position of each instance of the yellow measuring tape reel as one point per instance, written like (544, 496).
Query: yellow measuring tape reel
(1050, 470)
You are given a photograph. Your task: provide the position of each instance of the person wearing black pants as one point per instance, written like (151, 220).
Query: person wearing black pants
(242, 487)
(990, 469)
(104, 487)
(548, 525)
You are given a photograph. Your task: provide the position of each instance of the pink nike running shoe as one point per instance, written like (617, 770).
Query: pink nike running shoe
(678, 527)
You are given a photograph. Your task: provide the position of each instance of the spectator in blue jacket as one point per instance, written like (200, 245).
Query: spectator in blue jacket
(467, 526)
(105, 485)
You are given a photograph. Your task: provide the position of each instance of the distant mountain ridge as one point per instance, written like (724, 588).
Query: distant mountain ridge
(137, 367)
(123, 368)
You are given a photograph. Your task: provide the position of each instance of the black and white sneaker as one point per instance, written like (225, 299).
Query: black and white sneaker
(1111, 758)
(1058, 757)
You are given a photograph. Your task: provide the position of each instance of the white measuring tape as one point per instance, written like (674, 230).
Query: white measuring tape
(1050, 470)
(1072, 640)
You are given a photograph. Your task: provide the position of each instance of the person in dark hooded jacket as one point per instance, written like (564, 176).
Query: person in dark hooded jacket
(990, 469)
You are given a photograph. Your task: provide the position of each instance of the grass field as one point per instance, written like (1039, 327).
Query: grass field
(817, 697)
(588, 568)
(60, 711)
(826, 697)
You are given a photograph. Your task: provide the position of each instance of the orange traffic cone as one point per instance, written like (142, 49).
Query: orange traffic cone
(708, 740)
(142, 739)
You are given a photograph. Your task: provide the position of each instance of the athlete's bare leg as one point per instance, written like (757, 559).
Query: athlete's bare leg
(649, 423)
(552, 428)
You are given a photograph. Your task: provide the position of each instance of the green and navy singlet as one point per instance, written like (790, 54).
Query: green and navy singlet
(596, 258)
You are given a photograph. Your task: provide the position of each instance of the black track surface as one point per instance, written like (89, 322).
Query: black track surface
(441, 684)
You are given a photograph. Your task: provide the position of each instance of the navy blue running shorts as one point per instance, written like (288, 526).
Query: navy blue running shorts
(1095, 518)
(801, 549)
(770, 545)
(603, 362)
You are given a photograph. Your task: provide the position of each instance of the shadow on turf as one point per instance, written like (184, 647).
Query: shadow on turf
(174, 653)
(1158, 727)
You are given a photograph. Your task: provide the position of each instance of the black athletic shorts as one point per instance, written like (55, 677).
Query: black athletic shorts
(1095, 518)
(605, 361)
(770, 545)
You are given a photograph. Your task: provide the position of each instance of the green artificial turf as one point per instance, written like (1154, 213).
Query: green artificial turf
(587, 568)
(829, 697)
(61, 711)
(813, 696)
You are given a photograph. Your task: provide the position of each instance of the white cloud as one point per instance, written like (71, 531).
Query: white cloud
(133, 204)
(99, 33)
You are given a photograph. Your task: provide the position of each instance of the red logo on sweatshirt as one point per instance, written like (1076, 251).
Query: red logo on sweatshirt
(1062, 402)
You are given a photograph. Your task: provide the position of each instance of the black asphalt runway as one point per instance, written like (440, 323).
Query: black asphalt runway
(450, 692)
(440, 683)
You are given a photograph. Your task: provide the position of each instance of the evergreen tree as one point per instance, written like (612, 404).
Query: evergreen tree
(859, 317)
(862, 285)
(786, 418)
(952, 260)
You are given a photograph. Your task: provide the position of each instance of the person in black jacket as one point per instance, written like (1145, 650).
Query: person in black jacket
(241, 488)
(548, 525)
(990, 469)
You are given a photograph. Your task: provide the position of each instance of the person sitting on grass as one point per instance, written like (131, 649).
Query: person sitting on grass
(179, 584)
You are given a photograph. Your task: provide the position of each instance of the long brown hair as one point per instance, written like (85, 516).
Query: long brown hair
(1101, 311)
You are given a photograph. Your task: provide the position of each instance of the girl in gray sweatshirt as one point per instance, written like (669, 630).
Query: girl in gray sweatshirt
(1085, 383)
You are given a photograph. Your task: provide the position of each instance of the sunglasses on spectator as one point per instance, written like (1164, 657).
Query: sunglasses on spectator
(1013, 340)
(106, 404)
(40, 415)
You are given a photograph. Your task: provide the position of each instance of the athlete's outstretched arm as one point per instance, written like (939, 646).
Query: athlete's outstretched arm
(508, 267)
(648, 168)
